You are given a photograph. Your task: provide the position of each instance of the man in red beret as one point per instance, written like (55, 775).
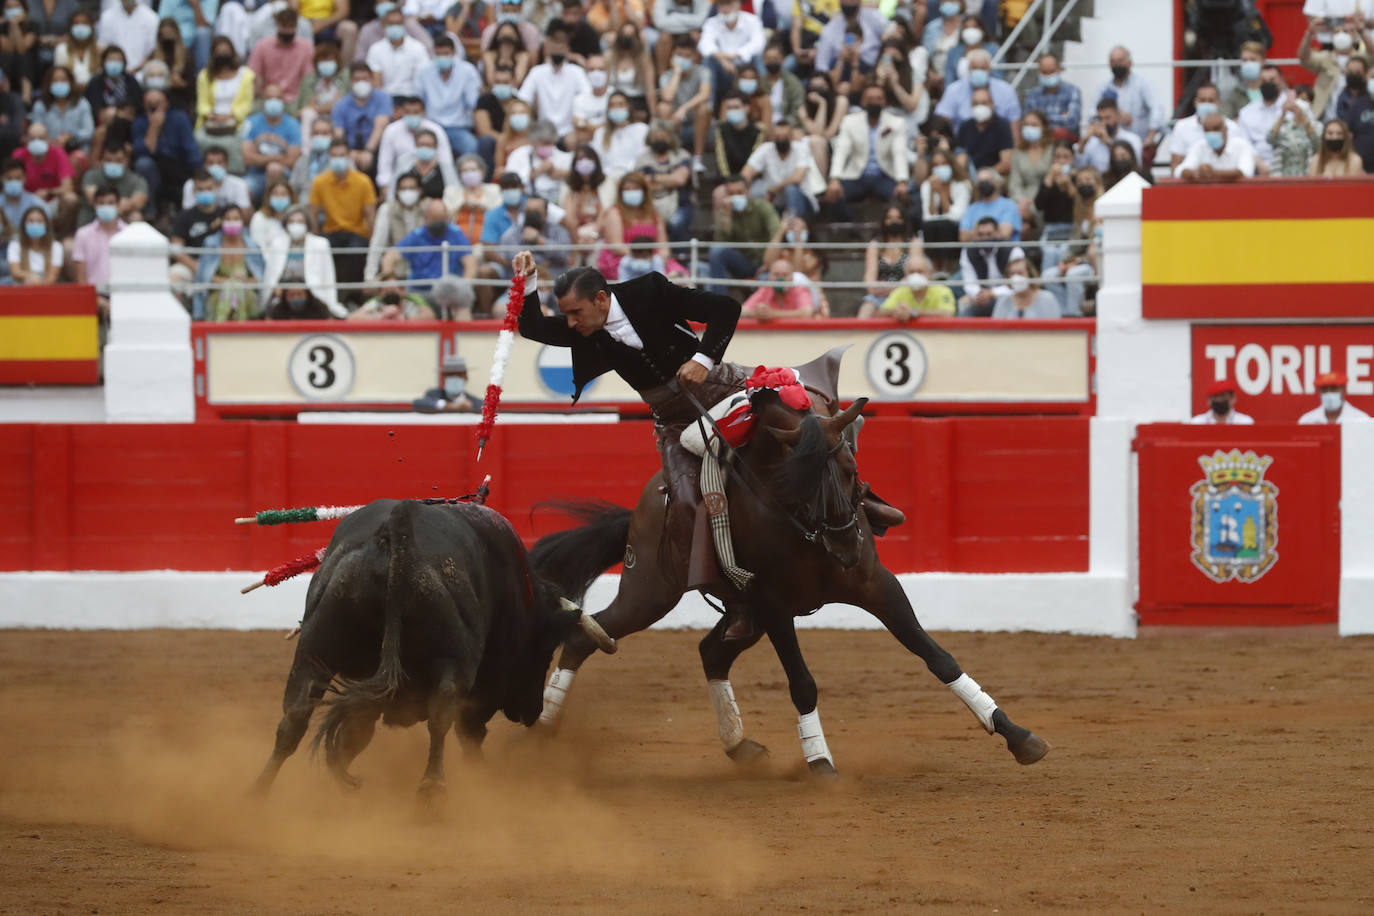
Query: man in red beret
(1333, 408)
(1221, 395)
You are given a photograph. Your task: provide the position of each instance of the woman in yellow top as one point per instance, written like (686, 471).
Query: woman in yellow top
(224, 98)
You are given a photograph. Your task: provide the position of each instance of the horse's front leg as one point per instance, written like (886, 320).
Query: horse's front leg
(782, 633)
(718, 654)
(884, 598)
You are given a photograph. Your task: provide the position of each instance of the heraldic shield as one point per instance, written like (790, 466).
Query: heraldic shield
(1235, 517)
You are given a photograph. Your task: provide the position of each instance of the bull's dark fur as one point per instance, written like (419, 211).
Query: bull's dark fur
(423, 612)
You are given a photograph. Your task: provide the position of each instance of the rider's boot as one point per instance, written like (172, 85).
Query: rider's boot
(882, 515)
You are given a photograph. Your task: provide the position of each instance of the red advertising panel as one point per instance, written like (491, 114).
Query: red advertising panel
(1239, 525)
(1275, 366)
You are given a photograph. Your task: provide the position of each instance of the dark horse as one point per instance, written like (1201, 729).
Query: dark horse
(798, 525)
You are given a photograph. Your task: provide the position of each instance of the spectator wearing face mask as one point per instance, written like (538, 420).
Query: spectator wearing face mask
(589, 107)
(91, 246)
(271, 142)
(229, 275)
(551, 86)
(397, 217)
(536, 229)
(229, 189)
(685, 87)
(48, 172)
(729, 40)
(345, 202)
(266, 226)
(1294, 136)
(1136, 105)
(79, 51)
(583, 39)
(68, 119)
(393, 301)
(1329, 65)
(887, 259)
(739, 218)
(973, 39)
(985, 139)
(282, 59)
(436, 273)
(321, 89)
(736, 136)
(315, 160)
(869, 159)
(1252, 58)
(945, 197)
(1336, 158)
(112, 173)
(632, 215)
(510, 11)
(415, 140)
(781, 171)
(298, 256)
(1060, 100)
(677, 19)
(35, 255)
(362, 117)
(374, 31)
(112, 88)
(130, 26)
(1259, 117)
(1055, 200)
(1078, 260)
(1024, 300)
(983, 266)
(15, 201)
(1355, 107)
(1220, 155)
(834, 36)
(452, 395)
(397, 58)
(194, 226)
(489, 117)
(957, 102)
(630, 70)
(990, 204)
(172, 67)
(541, 165)
(785, 295)
(917, 296)
(619, 142)
(1030, 162)
(1187, 131)
(1221, 397)
(669, 172)
(1095, 147)
(473, 197)
(448, 88)
(224, 99)
(1333, 407)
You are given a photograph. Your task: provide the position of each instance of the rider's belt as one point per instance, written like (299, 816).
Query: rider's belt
(670, 404)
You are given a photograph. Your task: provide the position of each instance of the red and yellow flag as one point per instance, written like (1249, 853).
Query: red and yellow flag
(49, 336)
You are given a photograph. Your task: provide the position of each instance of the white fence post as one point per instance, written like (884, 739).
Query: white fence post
(148, 366)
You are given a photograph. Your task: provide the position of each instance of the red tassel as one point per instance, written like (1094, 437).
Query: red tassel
(293, 568)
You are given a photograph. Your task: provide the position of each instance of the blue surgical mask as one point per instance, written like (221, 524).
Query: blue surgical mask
(735, 116)
(412, 121)
(633, 197)
(639, 266)
(106, 213)
(113, 170)
(425, 153)
(35, 230)
(683, 63)
(978, 78)
(114, 67)
(383, 8)
(339, 164)
(617, 115)
(792, 237)
(327, 68)
(60, 90)
(1031, 133)
(512, 197)
(1206, 108)
(738, 202)
(1214, 139)
(14, 186)
(1050, 80)
(81, 31)
(950, 9)
(38, 148)
(444, 63)
(273, 107)
(205, 198)
(395, 32)
(217, 172)
(279, 204)
(943, 172)
(502, 91)
(748, 86)
(319, 143)
(1250, 70)
(519, 121)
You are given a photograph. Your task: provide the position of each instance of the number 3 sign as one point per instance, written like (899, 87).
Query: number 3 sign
(321, 368)
(896, 364)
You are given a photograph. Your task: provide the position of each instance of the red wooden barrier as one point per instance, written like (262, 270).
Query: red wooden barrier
(982, 494)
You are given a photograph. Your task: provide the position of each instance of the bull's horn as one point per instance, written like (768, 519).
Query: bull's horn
(849, 414)
(599, 636)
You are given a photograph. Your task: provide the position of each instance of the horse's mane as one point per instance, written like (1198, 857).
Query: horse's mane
(797, 477)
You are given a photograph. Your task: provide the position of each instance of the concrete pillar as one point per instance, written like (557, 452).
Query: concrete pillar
(1357, 530)
(148, 366)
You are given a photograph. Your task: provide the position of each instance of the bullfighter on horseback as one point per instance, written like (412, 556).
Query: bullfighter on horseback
(640, 330)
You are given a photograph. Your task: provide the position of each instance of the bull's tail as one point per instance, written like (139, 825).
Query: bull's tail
(352, 696)
(572, 559)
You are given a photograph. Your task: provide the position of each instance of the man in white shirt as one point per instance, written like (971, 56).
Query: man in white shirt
(540, 164)
(1258, 118)
(1221, 154)
(730, 39)
(396, 58)
(1221, 397)
(1333, 407)
(229, 189)
(783, 172)
(551, 86)
(589, 107)
(1095, 149)
(1187, 131)
(130, 26)
(1327, 15)
(397, 151)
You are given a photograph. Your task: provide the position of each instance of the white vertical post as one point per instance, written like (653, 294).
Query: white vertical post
(148, 366)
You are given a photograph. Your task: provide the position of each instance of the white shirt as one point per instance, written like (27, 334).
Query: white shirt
(1257, 119)
(397, 66)
(1099, 155)
(619, 327)
(773, 170)
(421, 9)
(36, 265)
(1234, 418)
(590, 108)
(396, 153)
(627, 145)
(741, 44)
(133, 33)
(1236, 154)
(551, 92)
(232, 190)
(1188, 131)
(521, 161)
(1318, 415)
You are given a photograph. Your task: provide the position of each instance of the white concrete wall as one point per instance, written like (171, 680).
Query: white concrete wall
(1357, 529)
(1145, 27)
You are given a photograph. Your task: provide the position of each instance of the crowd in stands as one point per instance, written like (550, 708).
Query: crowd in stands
(361, 159)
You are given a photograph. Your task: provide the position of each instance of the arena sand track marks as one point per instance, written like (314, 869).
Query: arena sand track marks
(1195, 771)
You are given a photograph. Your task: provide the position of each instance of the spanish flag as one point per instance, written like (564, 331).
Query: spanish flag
(49, 336)
(1258, 248)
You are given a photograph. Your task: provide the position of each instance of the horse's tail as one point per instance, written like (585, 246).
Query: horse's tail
(572, 559)
(396, 538)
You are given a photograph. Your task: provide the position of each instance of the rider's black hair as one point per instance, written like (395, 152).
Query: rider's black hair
(582, 282)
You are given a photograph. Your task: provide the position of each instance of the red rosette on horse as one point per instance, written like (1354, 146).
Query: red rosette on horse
(785, 381)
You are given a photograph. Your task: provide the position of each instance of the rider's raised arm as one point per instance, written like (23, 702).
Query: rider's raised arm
(719, 313)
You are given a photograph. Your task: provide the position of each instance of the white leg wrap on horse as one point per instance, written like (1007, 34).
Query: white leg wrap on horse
(555, 695)
(812, 737)
(727, 714)
(983, 706)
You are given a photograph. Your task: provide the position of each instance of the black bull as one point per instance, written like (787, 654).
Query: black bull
(423, 613)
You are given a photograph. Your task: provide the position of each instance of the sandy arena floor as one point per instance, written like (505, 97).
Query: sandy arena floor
(1192, 771)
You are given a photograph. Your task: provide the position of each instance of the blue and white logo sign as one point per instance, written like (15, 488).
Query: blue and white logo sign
(896, 365)
(556, 373)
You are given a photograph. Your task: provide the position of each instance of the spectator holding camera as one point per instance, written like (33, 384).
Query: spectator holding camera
(537, 230)
(1294, 136)
(1056, 199)
(1104, 130)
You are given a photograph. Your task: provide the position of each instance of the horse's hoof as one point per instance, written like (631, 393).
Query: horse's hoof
(1030, 750)
(348, 782)
(432, 792)
(823, 768)
(747, 752)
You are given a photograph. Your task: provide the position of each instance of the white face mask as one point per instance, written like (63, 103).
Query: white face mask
(453, 386)
(981, 113)
(1019, 283)
(1332, 401)
(296, 230)
(1342, 41)
(972, 36)
(597, 78)
(917, 281)
(408, 196)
